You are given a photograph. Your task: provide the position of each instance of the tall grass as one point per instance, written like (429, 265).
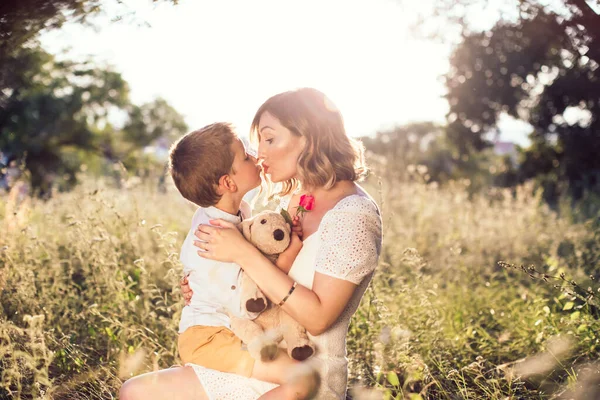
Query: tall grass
(89, 294)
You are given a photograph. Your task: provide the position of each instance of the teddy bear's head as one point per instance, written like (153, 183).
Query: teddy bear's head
(268, 231)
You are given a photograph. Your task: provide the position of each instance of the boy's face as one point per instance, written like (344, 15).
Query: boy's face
(245, 171)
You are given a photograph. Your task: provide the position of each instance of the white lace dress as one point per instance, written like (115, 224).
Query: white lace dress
(346, 246)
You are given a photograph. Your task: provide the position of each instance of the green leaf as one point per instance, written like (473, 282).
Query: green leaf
(415, 396)
(568, 306)
(287, 216)
(393, 379)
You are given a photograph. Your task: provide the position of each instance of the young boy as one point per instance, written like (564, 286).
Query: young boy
(211, 168)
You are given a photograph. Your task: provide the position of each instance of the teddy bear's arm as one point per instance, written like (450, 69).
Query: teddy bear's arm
(252, 299)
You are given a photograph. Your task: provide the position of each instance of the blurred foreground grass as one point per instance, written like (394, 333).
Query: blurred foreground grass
(89, 295)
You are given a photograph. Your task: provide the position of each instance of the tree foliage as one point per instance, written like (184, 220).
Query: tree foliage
(53, 114)
(542, 68)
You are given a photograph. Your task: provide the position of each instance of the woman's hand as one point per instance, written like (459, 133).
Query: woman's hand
(186, 290)
(221, 241)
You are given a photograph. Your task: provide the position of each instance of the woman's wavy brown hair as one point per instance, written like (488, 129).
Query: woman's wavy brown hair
(329, 155)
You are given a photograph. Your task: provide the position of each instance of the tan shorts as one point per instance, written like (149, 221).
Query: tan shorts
(215, 347)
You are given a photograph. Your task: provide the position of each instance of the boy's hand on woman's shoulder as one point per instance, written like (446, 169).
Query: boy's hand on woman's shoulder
(297, 226)
(295, 239)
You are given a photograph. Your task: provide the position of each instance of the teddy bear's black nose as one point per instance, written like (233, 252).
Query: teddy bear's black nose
(278, 235)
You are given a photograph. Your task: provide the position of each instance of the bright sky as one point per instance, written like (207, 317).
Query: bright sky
(219, 60)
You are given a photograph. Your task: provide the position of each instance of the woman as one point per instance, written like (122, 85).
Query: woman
(303, 145)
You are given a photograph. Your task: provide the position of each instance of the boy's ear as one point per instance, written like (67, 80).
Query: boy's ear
(226, 184)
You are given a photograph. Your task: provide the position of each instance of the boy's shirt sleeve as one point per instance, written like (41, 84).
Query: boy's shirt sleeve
(189, 253)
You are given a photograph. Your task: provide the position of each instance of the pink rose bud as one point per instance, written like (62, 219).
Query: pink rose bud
(307, 201)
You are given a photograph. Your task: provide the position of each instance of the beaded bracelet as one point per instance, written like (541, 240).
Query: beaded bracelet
(288, 295)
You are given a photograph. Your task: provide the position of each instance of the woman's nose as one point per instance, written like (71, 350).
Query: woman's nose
(261, 152)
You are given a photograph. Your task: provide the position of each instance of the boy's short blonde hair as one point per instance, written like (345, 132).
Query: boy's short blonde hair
(199, 159)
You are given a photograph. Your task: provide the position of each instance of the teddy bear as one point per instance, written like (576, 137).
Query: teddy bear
(267, 324)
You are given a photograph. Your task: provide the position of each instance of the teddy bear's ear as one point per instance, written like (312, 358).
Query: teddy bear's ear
(244, 226)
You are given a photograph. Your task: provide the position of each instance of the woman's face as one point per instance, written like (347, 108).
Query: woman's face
(278, 148)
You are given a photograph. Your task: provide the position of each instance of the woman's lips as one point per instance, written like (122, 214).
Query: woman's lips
(265, 168)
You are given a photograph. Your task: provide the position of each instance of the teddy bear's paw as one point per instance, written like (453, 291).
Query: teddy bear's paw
(256, 305)
(301, 353)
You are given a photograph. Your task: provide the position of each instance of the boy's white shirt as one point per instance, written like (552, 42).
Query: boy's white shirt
(215, 284)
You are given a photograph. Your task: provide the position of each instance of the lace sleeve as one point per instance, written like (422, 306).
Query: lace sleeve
(350, 240)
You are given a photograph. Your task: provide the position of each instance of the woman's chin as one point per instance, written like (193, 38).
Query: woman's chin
(274, 178)
(279, 178)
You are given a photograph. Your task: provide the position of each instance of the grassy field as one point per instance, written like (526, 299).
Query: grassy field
(89, 295)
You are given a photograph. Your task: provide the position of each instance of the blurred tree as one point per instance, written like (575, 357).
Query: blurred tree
(403, 146)
(55, 113)
(151, 121)
(48, 110)
(155, 122)
(421, 151)
(540, 66)
(22, 20)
